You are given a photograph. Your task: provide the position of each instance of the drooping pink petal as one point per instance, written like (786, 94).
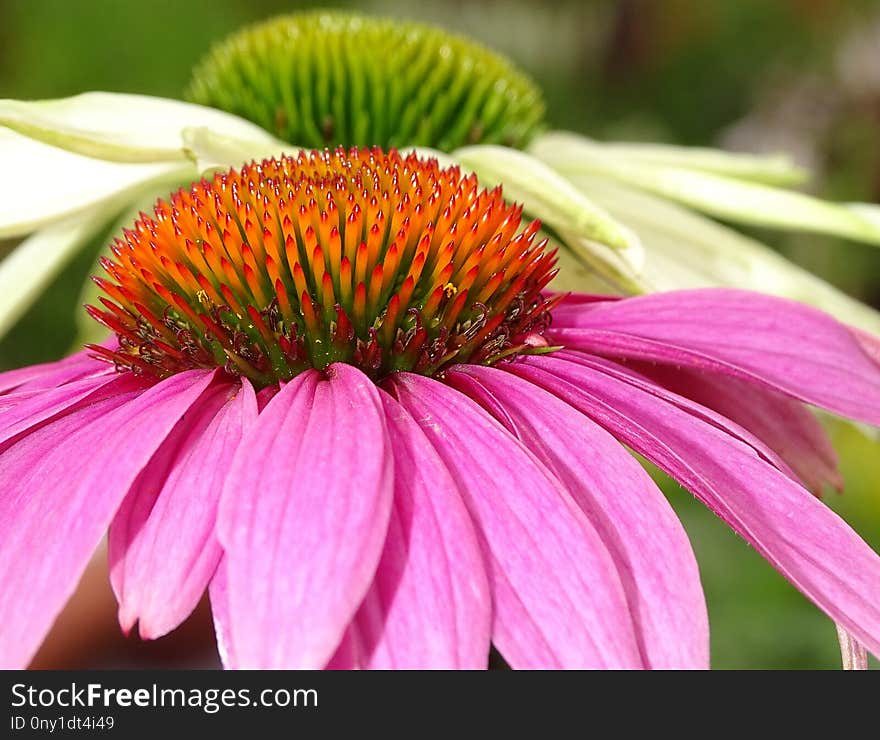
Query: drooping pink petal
(649, 546)
(33, 408)
(558, 600)
(800, 536)
(10, 400)
(869, 343)
(633, 374)
(781, 344)
(12, 379)
(51, 374)
(60, 487)
(429, 606)
(783, 424)
(265, 395)
(303, 518)
(163, 550)
(574, 305)
(347, 655)
(218, 591)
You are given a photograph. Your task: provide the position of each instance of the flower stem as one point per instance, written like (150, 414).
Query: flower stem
(852, 653)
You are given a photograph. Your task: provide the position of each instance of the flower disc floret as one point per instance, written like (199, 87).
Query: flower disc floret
(365, 257)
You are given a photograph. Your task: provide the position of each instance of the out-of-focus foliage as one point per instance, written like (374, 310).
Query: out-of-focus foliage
(799, 75)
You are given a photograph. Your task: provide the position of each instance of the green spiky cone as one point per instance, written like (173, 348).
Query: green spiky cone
(325, 79)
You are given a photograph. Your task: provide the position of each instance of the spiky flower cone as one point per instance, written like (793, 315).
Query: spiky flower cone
(288, 265)
(325, 79)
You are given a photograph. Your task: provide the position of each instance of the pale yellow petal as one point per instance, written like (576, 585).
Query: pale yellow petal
(44, 184)
(121, 127)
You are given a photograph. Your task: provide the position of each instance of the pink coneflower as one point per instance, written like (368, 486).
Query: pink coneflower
(342, 401)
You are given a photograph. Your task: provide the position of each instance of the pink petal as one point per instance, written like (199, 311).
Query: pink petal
(784, 425)
(639, 374)
(51, 374)
(429, 606)
(12, 379)
(346, 657)
(573, 305)
(163, 550)
(36, 407)
(59, 489)
(778, 343)
(303, 518)
(801, 537)
(558, 598)
(649, 546)
(633, 374)
(868, 342)
(219, 595)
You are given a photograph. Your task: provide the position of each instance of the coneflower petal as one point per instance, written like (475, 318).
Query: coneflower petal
(162, 546)
(429, 606)
(31, 267)
(25, 410)
(783, 424)
(649, 546)
(10, 380)
(800, 536)
(781, 344)
(49, 374)
(303, 517)
(60, 487)
(77, 184)
(123, 128)
(558, 598)
(219, 595)
(346, 657)
(689, 406)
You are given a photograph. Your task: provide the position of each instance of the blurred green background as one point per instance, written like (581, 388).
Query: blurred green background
(761, 75)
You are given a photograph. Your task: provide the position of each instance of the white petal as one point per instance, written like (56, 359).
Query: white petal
(576, 275)
(213, 151)
(32, 265)
(44, 184)
(619, 271)
(686, 250)
(548, 196)
(868, 211)
(557, 148)
(723, 197)
(120, 127)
